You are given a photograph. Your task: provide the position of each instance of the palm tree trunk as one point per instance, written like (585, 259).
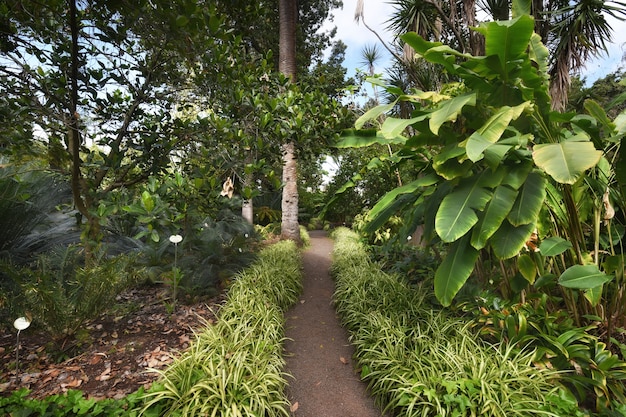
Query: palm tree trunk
(288, 13)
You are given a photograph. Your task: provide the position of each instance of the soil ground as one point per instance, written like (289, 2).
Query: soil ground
(319, 357)
(116, 353)
(142, 334)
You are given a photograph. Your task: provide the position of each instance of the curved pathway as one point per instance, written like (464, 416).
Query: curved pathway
(318, 354)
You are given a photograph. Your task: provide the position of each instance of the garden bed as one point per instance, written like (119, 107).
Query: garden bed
(112, 357)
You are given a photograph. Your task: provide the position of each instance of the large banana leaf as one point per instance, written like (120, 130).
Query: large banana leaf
(566, 161)
(454, 270)
(353, 138)
(391, 202)
(456, 214)
(493, 216)
(583, 277)
(449, 110)
(492, 130)
(529, 201)
(508, 40)
(392, 127)
(509, 240)
(373, 114)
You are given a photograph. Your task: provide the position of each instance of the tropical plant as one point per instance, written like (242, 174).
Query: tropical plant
(481, 187)
(62, 294)
(586, 367)
(70, 404)
(106, 74)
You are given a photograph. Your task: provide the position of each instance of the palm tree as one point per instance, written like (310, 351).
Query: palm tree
(573, 31)
(578, 31)
(288, 12)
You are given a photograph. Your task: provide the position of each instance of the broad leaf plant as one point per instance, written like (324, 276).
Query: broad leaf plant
(499, 171)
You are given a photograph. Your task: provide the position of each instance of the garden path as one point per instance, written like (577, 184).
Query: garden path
(318, 354)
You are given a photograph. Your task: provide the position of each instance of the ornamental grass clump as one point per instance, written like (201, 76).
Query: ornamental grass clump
(422, 362)
(234, 367)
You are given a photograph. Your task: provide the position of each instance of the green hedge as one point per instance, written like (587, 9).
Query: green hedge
(418, 361)
(234, 368)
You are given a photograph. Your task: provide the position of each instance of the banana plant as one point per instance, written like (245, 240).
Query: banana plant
(487, 147)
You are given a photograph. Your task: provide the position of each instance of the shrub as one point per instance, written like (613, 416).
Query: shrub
(70, 404)
(234, 367)
(418, 361)
(62, 295)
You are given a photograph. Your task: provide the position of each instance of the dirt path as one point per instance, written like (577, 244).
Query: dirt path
(318, 355)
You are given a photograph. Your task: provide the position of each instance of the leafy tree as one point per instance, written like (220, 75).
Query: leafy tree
(609, 92)
(103, 79)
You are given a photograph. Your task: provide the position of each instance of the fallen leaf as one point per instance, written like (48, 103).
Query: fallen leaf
(302, 301)
(72, 384)
(294, 407)
(344, 360)
(97, 358)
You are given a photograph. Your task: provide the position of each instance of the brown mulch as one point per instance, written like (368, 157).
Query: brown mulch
(116, 353)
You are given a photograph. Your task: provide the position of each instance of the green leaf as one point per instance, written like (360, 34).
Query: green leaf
(527, 267)
(566, 161)
(583, 277)
(516, 175)
(509, 240)
(554, 245)
(520, 7)
(373, 114)
(493, 216)
(492, 130)
(446, 163)
(456, 214)
(393, 127)
(411, 187)
(594, 295)
(449, 110)
(182, 21)
(595, 110)
(529, 201)
(545, 280)
(454, 270)
(214, 23)
(147, 201)
(507, 39)
(352, 138)
(539, 54)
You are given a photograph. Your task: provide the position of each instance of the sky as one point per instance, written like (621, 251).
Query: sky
(377, 12)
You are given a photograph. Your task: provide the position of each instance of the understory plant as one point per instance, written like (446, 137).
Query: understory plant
(70, 404)
(586, 366)
(62, 294)
(422, 362)
(234, 367)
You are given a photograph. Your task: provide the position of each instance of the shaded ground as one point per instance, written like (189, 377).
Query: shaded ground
(121, 347)
(116, 353)
(318, 355)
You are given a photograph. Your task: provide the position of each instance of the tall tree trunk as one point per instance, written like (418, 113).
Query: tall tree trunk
(290, 229)
(247, 208)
